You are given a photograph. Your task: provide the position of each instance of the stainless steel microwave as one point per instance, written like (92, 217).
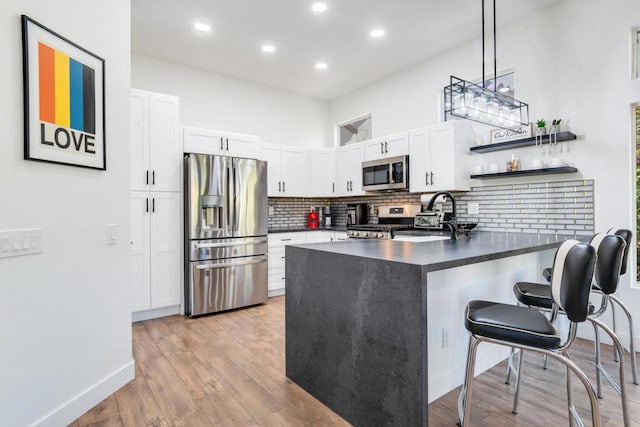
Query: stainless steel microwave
(390, 174)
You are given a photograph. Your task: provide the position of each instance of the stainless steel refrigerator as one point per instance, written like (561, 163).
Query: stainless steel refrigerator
(225, 233)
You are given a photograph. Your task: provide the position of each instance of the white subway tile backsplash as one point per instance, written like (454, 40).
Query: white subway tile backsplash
(564, 207)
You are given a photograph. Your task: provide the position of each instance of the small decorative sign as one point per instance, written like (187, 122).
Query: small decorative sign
(518, 132)
(63, 100)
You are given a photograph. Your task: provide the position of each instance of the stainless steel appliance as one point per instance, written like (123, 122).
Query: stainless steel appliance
(225, 233)
(357, 213)
(391, 174)
(390, 220)
(429, 220)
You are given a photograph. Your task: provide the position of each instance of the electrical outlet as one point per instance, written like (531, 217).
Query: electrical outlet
(445, 338)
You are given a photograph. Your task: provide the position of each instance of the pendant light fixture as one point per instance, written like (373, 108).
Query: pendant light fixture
(472, 101)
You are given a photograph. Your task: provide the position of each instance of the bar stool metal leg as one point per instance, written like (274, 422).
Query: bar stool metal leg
(570, 407)
(516, 396)
(596, 345)
(621, 387)
(616, 356)
(464, 401)
(632, 347)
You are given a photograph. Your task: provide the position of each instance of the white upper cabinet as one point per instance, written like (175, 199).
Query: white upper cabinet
(210, 141)
(349, 169)
(287, 170)
(155, 141)
(323, 172)
(436, 155)
(389, 146)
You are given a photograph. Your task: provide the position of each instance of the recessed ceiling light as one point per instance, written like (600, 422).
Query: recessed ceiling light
(202, 27)
(377, 33)
(321, 66)
(319, 7)
(268, 48)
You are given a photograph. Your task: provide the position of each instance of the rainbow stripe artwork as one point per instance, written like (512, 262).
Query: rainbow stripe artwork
(67, 91)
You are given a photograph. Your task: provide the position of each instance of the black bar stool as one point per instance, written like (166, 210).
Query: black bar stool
(528, 329)
(627, 235)
(610, 252)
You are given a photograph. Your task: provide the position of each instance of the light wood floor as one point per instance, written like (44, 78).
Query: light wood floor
(228, 370)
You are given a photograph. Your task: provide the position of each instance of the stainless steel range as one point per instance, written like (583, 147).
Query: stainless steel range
(390, 220)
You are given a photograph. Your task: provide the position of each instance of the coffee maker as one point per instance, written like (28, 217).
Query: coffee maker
(357, 213)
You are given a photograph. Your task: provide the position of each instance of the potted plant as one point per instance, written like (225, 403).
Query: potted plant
(555, 126)
(541, 128)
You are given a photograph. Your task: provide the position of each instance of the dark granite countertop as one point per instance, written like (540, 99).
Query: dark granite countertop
(443, 254)
(296, 229)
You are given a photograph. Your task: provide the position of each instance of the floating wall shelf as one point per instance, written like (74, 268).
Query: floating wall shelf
(518, 143)
(528, 172)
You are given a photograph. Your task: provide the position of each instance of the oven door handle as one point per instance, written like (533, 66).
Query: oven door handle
(229, 264)
(228, 244)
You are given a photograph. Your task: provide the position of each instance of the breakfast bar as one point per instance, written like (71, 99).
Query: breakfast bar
(374, 329)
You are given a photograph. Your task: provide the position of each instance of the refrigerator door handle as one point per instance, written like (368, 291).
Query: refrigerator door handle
(228, 220)
(228, 244)
(236, 199)
(229, 264)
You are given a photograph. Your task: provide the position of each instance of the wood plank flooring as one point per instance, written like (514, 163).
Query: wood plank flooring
(228, 370)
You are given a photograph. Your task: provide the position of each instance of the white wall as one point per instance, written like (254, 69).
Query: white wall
(571, 61)
(214, 101)
(65, 329)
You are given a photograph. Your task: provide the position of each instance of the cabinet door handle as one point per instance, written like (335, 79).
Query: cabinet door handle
(285, 240)
(386, 148)
(426, 178)
(283, 186)
(431, 178)
(227, 144)
(221, 147)
(381, 148)
(153, 178)
(153, 205)
(147, 176)
(147, 209)
(333, 187)
(279, 186)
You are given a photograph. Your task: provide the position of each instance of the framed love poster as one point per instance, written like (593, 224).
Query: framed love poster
(64, 119)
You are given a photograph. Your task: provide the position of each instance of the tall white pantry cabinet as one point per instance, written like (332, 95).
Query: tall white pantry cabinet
(156, 205)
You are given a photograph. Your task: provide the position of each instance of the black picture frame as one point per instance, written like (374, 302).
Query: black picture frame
(64, 100)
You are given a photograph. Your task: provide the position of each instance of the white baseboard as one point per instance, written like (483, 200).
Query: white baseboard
(276, 292)
(139, 316)
(78, 405)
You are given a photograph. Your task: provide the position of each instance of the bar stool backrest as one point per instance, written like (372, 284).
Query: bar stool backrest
(627, 235)
(573, 268)
(610, 249)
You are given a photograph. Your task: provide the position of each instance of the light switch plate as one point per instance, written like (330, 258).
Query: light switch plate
(20, 242)
(473, 208)
(112, 234)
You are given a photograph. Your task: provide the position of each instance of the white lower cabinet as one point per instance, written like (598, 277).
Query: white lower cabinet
(156, 252)
(277, 243)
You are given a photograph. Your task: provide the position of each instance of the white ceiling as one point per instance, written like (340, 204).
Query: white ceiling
(416, 30)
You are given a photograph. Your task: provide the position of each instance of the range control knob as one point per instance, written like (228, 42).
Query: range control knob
(365, 234)
(380, 235)
(355, 233)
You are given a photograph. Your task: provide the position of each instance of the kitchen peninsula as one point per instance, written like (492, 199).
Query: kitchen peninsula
(374, 329)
